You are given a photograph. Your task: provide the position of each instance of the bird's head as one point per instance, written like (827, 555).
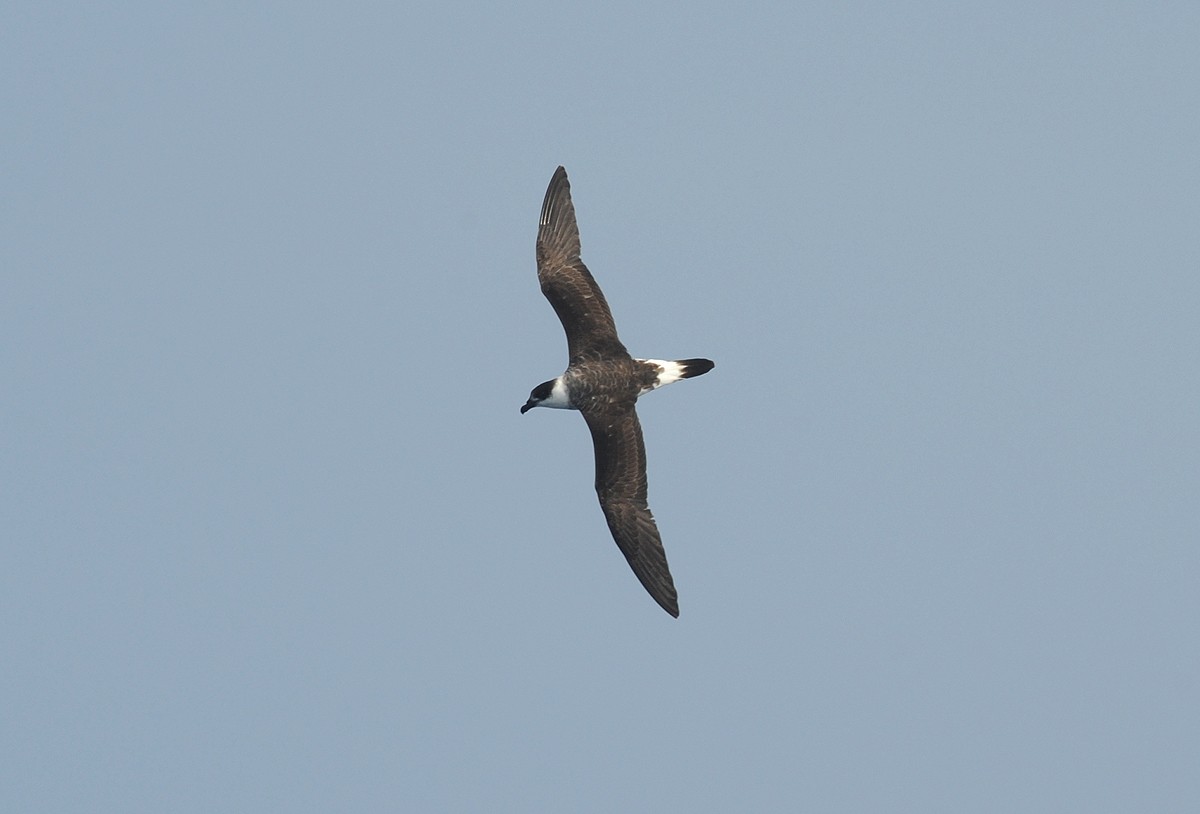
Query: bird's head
(547, 394)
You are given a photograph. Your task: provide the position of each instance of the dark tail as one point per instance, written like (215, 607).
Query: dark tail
(694, 367)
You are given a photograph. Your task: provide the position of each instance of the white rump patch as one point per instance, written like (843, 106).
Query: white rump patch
(668, 373)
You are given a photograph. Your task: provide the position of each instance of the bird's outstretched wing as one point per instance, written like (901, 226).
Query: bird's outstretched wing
(568, 284)
(621, 487)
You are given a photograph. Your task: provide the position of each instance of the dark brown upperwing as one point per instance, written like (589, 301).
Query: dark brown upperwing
(567, 283)
(621, 487)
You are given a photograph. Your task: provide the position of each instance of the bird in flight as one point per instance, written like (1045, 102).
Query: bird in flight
(603, 382)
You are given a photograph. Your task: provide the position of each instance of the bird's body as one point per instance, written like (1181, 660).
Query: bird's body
(604, 382)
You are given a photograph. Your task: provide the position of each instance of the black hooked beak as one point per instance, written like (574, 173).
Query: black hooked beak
(527, 406)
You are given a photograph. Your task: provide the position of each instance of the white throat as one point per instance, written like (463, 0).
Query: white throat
(559, 397)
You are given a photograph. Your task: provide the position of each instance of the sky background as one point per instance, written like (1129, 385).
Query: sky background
(275, 537)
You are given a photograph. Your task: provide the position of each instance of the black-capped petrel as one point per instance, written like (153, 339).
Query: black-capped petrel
(603, 382)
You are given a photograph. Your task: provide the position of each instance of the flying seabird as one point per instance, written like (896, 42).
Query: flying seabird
(603, 382)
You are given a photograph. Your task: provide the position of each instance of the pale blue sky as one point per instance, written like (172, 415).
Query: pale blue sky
(275, 537)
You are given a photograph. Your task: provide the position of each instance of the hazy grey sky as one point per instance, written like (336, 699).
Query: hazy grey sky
(275, 537)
